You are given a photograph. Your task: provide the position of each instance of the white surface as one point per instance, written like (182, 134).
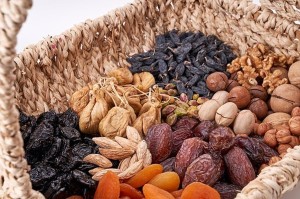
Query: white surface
(52, 17)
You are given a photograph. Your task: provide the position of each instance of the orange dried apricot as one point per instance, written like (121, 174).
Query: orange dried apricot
(128, 190)
(177, 194)
(108, 187)
(168, 181)
(152, 192)
(145, 175)
(198, 190)
(75, 197)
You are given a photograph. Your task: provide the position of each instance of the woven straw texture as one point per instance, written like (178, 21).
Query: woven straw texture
(44, 75)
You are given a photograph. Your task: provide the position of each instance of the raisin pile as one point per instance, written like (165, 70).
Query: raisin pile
(185, 60)
(54, 149)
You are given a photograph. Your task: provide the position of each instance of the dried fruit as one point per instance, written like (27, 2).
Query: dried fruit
(220, 139)
(185, 122)
(197, 190)
(145, 175)
(179, 136)
(227, 191)
(168, 164)
(152, 192)
(159, 141)
(239, 167)
(226, 114)
(168, 181)
(216, 81)
(190, 149)
(108, 187)
(203, 129)
(122, 75)
(240, 96)
(244, 122)
(80, 99)
(131, 192)
(143, 81)
(204, 169)
(177, 194)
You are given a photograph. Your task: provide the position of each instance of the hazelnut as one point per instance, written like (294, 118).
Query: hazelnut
(294, 74)
(282, 148)
(234, 76)
(270, 138)
(259, 108)
(258, 92)
(294, 124)
(284, 98)
(263, 128)
(296, 111)
(283, 136)
(216, 81)
(294, 141)
(240, 96)
(274, 159)
(221, 97)
(231, 84)
(244, 122)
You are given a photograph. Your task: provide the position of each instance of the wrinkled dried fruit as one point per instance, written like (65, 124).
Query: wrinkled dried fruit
(80, 99)
(122, 75)
(198, 190)
(177, 194)
(221, 139)
(204, 169)
(168, 181)
(159, 141)
(127, 190)
(239, 167)
(190, 149)
(143, 81)
(203, 129)
(145, 175)
(227, 191)
(168, 164)
(185, 122)
(178, 137)
(152, 192)
(108, 187)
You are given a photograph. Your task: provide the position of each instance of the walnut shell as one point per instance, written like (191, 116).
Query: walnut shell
(277, 120)
(284, 98)
(294, 74)
(244, 122)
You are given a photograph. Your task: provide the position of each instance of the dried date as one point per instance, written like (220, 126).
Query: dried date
(185, 122)
(227, 191)
(168, 164)
(203, 129)
(239, 167)
(179, 136)
(221, 139)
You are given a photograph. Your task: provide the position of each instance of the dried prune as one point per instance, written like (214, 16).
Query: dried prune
(40, 174)
(221, 139)
(190, 149)
(179, 136)
(256, 149)
(159, 141)
(70, 133)
(185, 122)
(83, 178)
(168, 164)
(68, 119)
(227, 191)
(239, 167)
(203, 129)
(204, 169)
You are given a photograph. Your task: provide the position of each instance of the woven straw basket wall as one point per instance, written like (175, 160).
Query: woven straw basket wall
(44, 75)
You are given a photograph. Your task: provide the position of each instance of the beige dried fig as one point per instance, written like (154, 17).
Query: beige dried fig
(244, 122)
(80, 99)
(208, 109)
(115, 122)
(143, 81)
(226, 114)
(92, 114)
(122, 75)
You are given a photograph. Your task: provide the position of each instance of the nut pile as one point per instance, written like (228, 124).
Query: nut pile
(185, 60)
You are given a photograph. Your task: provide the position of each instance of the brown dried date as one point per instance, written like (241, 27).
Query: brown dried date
(204, 169)
(168, 164)
(178, 137)
(239, 167)
(227, 191)
(190, 149)
(159, 141)
(203, 129)
(256, 149)
(185, 122)
(221, 139)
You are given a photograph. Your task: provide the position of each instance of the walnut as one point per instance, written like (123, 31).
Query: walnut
(273, 80)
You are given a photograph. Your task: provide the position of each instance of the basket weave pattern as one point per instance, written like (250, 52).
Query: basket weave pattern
(46, 74)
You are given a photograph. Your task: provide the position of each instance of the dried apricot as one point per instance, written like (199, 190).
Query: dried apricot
(177, 194)
(131, 192)
(198, 190)
(108, 187)
(168, 181)
(75, 197)
(152, 192)
(145, 175)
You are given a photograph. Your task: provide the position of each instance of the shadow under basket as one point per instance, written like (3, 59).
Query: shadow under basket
(44, 76)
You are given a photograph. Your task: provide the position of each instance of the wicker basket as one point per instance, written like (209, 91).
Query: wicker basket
(44, 76)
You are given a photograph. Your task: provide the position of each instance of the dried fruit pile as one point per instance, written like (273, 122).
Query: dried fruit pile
(55, 150)
(185, 60)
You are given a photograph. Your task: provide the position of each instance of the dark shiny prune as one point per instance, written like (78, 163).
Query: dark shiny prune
(203, 129)
(40, 174)
(256, 149)
(49, 117)
(227, 191)
(83, 178)
(81, 150)
(185, 122)
(70, 133)
(68, 119)
(54, 150)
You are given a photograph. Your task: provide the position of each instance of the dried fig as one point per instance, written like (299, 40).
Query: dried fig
(143, 81)
(80, 99)
(122, 75)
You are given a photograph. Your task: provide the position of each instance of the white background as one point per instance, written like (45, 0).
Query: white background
(52, 17)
